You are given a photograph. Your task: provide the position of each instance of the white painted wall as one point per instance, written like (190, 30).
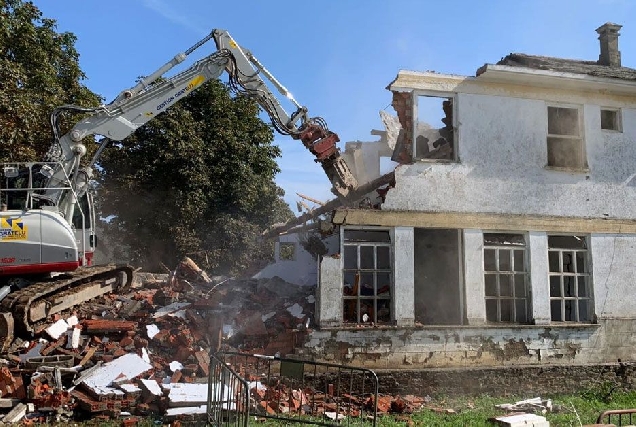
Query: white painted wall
(614, 275)
(503, 152)
(303, 269)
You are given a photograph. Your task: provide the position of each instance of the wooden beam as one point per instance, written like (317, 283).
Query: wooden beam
(482, 221)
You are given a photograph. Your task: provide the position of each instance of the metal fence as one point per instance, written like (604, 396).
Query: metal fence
(244, 387)
(617, 417)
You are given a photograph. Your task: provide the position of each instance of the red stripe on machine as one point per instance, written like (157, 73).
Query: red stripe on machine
(16, 270)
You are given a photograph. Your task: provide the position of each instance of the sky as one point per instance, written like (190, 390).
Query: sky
(336, 56)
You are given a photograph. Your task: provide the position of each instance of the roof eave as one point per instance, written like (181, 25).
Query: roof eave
(547, 78)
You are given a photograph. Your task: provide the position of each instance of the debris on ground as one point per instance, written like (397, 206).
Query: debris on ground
(146, 352)
(534, 405)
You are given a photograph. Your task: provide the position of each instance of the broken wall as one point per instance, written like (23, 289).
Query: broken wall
(293, 263)
(502, 151)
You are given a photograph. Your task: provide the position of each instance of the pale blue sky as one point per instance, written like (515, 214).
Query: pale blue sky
(338, 56)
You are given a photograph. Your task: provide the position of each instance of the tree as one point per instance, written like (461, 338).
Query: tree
(39, 70)
(198, 180)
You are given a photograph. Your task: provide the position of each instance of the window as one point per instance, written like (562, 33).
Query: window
(506, 278)
(611, 119)
(367, 276)
(286, 251)
(569, 279)
(434, 132)
(565, 141)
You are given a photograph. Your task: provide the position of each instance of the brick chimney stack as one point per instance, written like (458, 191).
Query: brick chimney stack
(608, 36)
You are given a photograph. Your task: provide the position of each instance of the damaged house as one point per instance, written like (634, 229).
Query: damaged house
(508, 236)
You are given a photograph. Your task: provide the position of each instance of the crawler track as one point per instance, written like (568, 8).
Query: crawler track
(24, 308)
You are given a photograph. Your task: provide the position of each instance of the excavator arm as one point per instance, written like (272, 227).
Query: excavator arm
(134, 107)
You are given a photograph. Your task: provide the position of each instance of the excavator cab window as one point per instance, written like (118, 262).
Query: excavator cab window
(15, 187)
(83, 207)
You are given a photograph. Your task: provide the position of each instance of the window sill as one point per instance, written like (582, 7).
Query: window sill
(585, 170)
(385, 327)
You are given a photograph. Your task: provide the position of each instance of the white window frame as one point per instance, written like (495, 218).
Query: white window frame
(375, 298)
(563, 275)
(415, 101)
(619, 119)
(580, 137)
(512, 276)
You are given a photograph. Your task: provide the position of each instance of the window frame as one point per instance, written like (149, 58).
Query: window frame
(511, 273)
(375, 297)
(582, 164)
(415, 120)
(587, 274)
(618, 121)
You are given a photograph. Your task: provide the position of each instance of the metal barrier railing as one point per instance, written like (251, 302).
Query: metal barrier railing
(623, 416)
(241, 386)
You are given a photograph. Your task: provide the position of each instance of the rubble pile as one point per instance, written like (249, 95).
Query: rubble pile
(146, 352)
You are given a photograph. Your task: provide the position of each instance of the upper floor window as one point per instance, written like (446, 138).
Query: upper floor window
(506, 278)
(566, 148)
(611, 119)
(570, 288)
(434, 133)
(367, 276)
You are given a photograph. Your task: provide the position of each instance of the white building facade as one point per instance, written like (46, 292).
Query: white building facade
(509, 235)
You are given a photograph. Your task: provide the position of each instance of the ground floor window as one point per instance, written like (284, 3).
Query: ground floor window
(368, 277)
(506, 277)
(570, 287)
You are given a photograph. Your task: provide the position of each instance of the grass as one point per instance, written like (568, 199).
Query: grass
(568, 410)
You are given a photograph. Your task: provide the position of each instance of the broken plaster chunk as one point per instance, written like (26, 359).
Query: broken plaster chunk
(130, 365)
(152, 386)
(152, 330)
(266, 317)
(57, 329)
(188, 394)
(188, 410)
(16, 414)
(72, 321)
(296, 310)
(75, 337)
(175, 366)
(171, 308)
(144, 355)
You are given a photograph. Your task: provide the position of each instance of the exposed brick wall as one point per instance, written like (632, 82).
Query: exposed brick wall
(403, 105)
(530, 381)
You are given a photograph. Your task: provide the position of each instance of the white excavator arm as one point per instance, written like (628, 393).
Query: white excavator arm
(134, 107)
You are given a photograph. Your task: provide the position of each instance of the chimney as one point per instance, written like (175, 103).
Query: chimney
(608, 36)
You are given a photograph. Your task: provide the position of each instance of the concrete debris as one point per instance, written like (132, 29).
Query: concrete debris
(535, 404)
(521, 420)
(146, 352)
(16, 414)
(57, 329)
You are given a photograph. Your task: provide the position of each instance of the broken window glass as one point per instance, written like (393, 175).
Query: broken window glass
(434, 132)
(367, 276)
(565, 142)
(506, 278)
(570, 293)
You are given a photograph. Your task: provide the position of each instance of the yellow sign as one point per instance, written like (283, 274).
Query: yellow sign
(12, 229)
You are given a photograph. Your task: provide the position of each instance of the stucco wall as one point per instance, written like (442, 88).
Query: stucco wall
(502, 157)
(468, 346)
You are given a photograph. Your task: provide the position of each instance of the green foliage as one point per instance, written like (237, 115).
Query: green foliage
(39, 70)
(198, 180)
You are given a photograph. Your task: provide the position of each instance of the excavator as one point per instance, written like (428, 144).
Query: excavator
(47, 218)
